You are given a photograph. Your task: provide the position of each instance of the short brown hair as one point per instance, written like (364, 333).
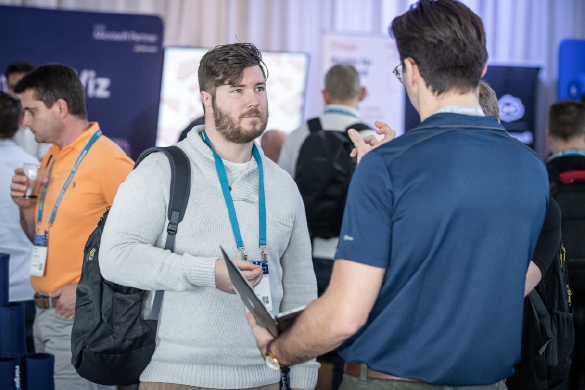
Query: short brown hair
(9, 115)
(225, 64)
(447, 42)
(488, 100)
(53, 82)
(19, 67)
(566, 120)
(343, 82)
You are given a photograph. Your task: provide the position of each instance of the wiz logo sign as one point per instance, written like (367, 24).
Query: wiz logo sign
(96, 87)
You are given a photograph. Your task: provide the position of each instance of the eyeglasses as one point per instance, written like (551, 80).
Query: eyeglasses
(398, 72)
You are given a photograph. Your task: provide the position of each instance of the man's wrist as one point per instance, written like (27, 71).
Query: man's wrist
(272, 359)
(267, 349)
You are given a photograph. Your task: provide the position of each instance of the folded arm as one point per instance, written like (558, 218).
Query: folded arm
(136, 222)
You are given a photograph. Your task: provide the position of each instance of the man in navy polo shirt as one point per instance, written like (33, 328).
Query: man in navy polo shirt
(438, 231)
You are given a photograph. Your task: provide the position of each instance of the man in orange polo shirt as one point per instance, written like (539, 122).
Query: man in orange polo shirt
(81, 173)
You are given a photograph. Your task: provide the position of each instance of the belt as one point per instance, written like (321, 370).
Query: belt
(356, 371)
(44, 301)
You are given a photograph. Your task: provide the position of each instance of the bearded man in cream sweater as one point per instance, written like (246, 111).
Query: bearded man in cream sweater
(203, 339)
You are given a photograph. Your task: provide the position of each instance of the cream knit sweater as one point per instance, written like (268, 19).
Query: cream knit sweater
(203, 338)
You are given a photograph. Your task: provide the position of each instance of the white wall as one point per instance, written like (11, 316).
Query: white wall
(518, 31)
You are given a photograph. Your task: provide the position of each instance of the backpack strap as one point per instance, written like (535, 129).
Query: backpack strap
(314, 125)
(358, 127)
(178, 200)
(541, 313)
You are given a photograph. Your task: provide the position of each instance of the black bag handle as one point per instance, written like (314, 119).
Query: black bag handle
(178, 200)
(358, 127)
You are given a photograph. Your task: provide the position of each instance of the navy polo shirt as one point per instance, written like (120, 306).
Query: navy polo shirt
(452, 211)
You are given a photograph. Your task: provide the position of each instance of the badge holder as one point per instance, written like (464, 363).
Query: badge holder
(263, 290)
(38, 261)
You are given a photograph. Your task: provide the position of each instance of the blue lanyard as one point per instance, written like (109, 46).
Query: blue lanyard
(92, 140)
(230, 203)
(340, 112)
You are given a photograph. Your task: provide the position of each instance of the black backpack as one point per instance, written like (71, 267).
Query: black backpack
(111, 343)
(323, 172)
(557, 324)
(571, 200)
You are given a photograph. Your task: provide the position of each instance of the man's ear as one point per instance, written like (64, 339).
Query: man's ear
(326, 96)
(206, 99)
(362, 95)
(484, 70)
(61, 108)
(410, 72)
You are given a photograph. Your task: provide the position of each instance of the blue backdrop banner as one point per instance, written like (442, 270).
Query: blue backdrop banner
(572, 69)
(118, 58)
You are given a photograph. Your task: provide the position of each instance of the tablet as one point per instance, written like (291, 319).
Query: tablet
(274, 325)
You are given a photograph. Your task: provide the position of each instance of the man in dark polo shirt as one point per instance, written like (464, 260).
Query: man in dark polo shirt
(439, 227)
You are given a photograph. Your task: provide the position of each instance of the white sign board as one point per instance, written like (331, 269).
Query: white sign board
(374, 57)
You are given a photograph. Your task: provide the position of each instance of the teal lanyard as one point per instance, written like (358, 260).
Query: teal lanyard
(92, 140)
(340, 112)
(223, 181)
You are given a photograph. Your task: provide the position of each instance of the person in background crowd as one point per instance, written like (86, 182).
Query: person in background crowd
(342, 94)
(81, 174)
(488, 100)
(23, 137)
(271, 143)
(423, 291)
(566, 169)
(531, 372)
(12, 239)
(202, 338)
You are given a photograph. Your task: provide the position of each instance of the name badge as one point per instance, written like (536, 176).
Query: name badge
(262, 290)
(39, 255)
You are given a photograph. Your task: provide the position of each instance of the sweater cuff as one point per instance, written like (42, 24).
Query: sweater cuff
(304, 376)
(200, 271)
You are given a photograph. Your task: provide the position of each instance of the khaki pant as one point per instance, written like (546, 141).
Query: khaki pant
(172, 386)
(52, 334)
(354, 383)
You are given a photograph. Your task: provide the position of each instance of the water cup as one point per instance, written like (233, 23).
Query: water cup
(32, 172)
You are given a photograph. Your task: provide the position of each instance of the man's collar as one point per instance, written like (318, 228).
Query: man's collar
(341, 109)
(7, 142)
(565, 153)
(83, 138)
(462, 109)
(449, 119)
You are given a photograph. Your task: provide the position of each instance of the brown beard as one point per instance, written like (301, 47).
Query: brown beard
(227, 127)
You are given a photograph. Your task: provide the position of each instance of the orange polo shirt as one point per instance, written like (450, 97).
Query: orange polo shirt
(91, 190)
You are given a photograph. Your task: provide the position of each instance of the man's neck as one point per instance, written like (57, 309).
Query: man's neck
(71, 132)
(350, 103)
(561, 146)
(236, 153)
(429, 103)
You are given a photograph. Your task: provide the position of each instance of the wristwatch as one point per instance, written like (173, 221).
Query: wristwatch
(271, 359)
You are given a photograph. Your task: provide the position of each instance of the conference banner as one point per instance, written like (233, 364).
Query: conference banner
(571, 69)
(374, 57)
(515, 88)
(118, 58)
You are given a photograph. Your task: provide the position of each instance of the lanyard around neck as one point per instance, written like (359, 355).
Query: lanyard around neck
(340, 112)
(230, 203)
(92, 140)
